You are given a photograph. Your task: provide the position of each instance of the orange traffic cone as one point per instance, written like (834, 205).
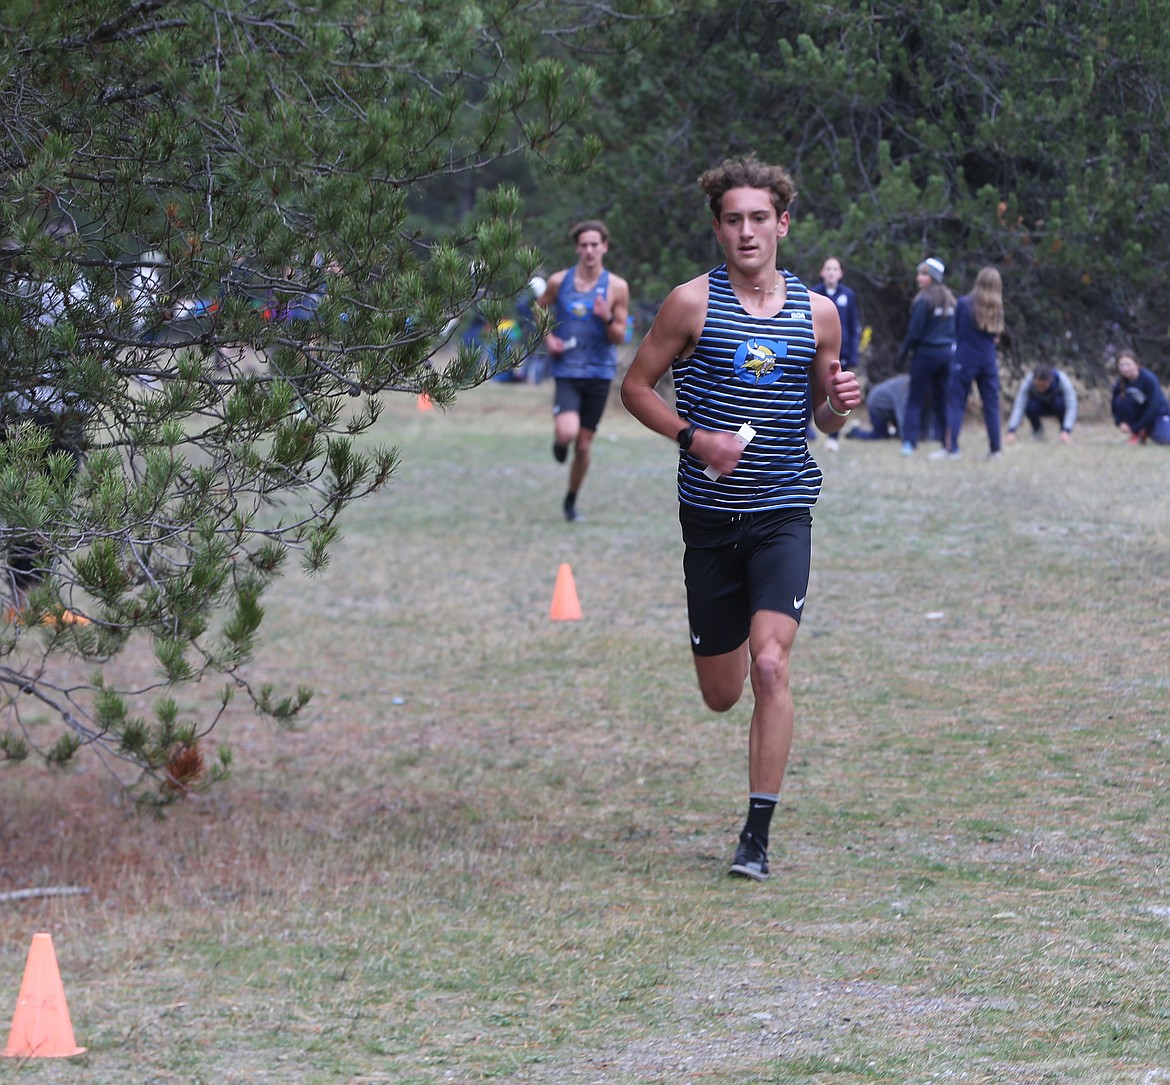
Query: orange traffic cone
(41, 1027)
(565, 605)
(424, 402)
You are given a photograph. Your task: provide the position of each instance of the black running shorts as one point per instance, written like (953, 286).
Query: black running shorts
(585, 396)
(738, 563)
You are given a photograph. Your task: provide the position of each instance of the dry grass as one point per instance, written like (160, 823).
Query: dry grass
(495, 850)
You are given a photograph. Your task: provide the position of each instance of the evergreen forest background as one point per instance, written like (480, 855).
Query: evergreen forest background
(1028, 135)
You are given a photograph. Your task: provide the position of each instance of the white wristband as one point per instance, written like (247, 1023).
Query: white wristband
(839, 414)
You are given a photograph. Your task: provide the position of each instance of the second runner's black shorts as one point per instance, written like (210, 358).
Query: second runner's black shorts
(586, 396)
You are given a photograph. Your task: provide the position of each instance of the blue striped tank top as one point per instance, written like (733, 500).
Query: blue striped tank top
(755, 370)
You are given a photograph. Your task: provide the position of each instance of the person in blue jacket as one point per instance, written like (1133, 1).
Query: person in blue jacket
(929, 344)
(845, 299)
(1140, 407)
(978, 326)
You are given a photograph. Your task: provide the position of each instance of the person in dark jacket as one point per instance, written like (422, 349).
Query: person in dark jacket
(1140, 407)
(845, 299)
(929, 344)
(1045, 393)
(978, 326)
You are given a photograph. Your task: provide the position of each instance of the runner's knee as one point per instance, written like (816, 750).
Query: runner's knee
(721, 698)
(770, 671)
(721, 679)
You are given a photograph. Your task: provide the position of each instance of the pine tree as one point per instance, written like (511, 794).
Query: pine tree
(187, 189)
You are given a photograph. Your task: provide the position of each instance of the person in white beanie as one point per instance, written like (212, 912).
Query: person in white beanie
(929, 344)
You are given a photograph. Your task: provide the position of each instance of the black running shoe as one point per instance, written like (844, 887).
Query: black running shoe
(560, 452)
(751, 860)
(571, 513)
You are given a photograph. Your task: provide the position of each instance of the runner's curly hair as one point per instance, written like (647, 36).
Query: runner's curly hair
(748, 172)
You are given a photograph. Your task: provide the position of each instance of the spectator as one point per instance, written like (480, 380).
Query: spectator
(537, 366)
(515, 329)
(146, 296)
(1046, 392)
(34, 399)
(978, 326)
(843, 297)
(929, 344)
(291, 303)
(1140, 408)
(886, 404)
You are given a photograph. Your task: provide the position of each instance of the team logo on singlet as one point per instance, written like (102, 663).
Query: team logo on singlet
(759, 361)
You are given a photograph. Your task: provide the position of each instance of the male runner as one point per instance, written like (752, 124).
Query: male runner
(747, 343)
(591, 308)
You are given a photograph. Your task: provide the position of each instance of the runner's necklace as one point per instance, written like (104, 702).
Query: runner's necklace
(758, 289)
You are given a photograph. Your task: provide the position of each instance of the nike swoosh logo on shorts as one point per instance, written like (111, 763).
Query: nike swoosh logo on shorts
(694, 639)
(798, 603)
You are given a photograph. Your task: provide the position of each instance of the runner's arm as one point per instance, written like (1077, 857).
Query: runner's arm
(614, 310)
(830, 385)
(673, 335)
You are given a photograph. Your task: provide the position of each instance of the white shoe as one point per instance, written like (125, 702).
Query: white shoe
(831, 444)
(943, 454)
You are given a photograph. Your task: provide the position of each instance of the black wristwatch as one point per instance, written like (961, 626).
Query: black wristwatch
(685, 436)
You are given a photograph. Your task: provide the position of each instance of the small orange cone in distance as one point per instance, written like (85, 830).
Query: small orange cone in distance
(424, 402)
(565, 605)
(41, 1027)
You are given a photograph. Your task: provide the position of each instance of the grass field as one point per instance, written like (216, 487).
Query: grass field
(495, 848)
